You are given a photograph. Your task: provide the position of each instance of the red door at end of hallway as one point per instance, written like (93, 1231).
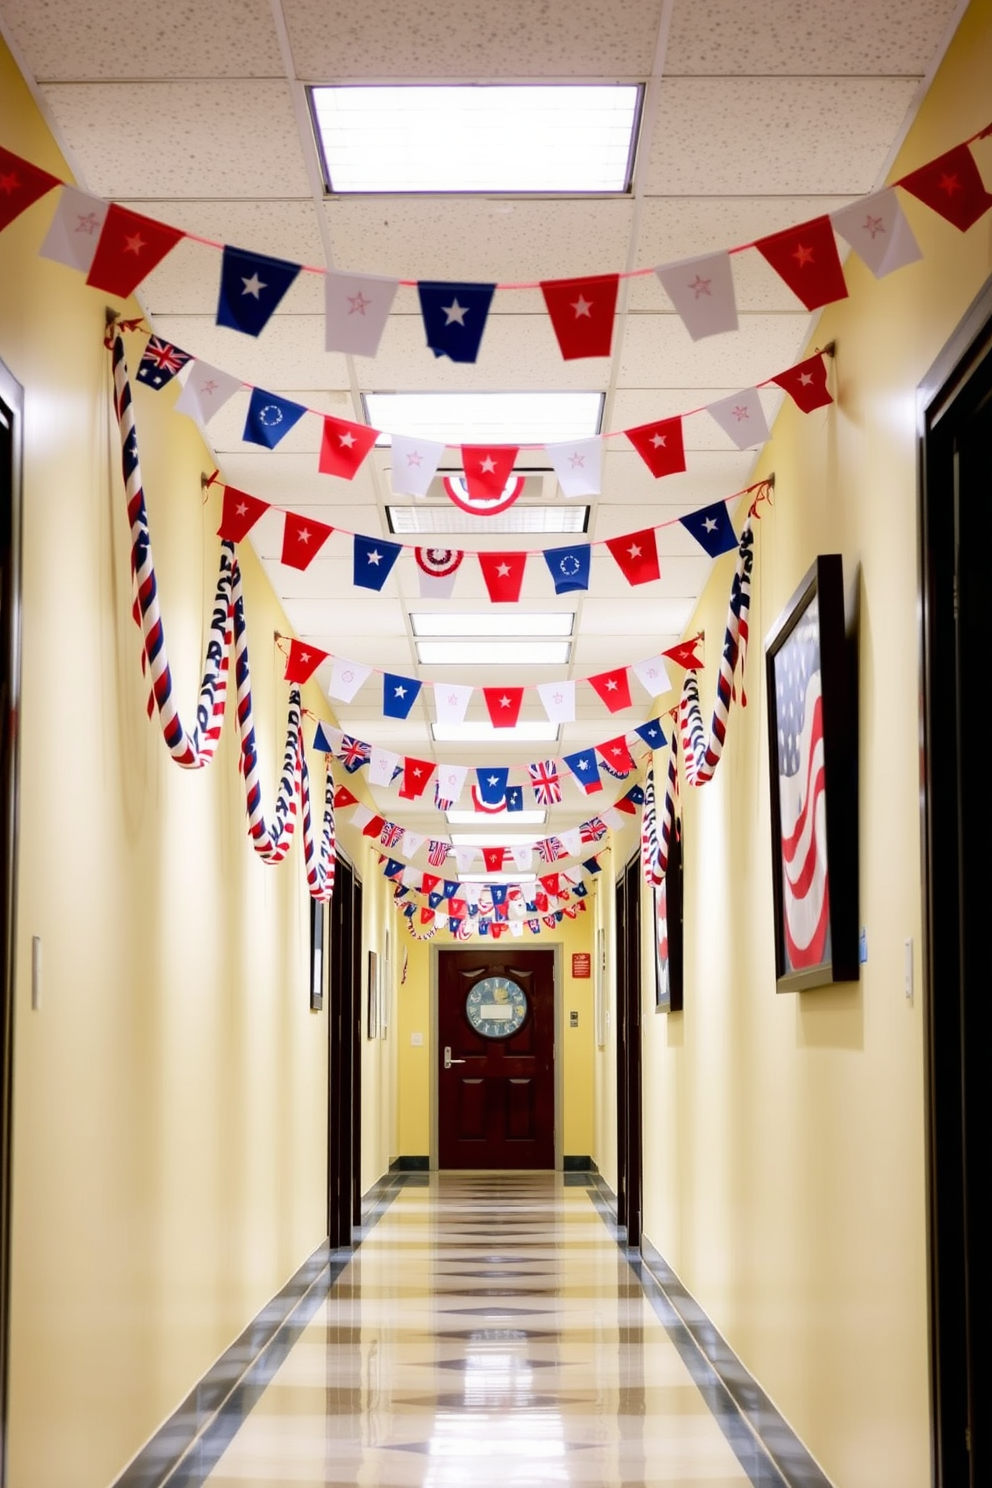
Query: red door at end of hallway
(496, 1076)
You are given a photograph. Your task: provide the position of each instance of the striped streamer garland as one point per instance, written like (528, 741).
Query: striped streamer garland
(320, 863)
(702, 758)
(655, 844)
(669, 815)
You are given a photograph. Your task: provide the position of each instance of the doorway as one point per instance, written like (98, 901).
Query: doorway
(495, 1075)
(628, 982)
(344, 1049)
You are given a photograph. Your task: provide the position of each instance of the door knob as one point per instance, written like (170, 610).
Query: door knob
(448, 1061)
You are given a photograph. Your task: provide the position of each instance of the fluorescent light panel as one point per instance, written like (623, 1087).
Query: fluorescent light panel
(519, 623)
(493, 653)
(493, 138)
(480, 819)
(491, 839)
(497, 878)
(445, 520)
(536, 731)
(486, 418)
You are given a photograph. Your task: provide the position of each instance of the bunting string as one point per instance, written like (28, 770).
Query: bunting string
(701, 755)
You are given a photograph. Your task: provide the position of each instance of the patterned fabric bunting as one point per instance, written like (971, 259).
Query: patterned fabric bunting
(160, 362)
(545, 781)
(701, 755)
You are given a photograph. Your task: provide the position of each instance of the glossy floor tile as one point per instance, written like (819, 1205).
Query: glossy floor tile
(489, 1331)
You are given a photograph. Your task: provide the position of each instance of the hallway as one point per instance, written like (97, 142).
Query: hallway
(488, 1330)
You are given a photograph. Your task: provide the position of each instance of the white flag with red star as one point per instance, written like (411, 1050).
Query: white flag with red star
(382, 763)
(742, 417)
(702, 291)
(879, 232)
(206, 391)
(652, 675)
(75, 229)
(559, 700)
(412, 842)
(451, 781)
(414, 466)
(356, 309)
(451, 699)
(578, 466)
(346, 678)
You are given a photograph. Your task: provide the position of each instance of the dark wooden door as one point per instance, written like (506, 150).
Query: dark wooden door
(343, 1005)
(628, 979)
(496, 1088)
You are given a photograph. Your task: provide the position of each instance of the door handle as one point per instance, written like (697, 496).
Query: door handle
(448, 1061)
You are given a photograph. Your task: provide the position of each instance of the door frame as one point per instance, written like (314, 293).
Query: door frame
(343, 1003)
(472, 949)
(627, 891)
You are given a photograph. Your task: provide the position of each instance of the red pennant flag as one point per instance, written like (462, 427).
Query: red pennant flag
(373, 827)
(487, 469)
(457, 908)
(303, 661)
(613, 687)
(617, 755)
(504, 574)
(302, 539)
(806, 258)
(493, 858)
(343, 447)
(952, 187)
(660, 445)
(21, 185)
(626, 805)
(496, 929)
(806, 383)
(637, 555)
(504, 705)
(239, 514)
(551, 882)
(416, 774)
(582, 312)
(129, 248)
(685, 655)
(429, 883)
(343, 797)
(550, 921)
(426, 915)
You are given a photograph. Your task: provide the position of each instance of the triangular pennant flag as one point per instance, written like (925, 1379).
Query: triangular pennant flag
(616, 756)
(382, 764)
(878, 230)
(493, 858)
(551, 882)
(504, 705)
(660, 445)
(251, 287)
(702, 291)
(160, 362)
(346, 678)
(712, 528)
(652, 675)
(356, 308)
(613, 688)
(21, 185)
(353, 753)
(583, 766)
(239, 514)
(514, 798)
(399, 695)
(129, 248)
(429, 883)
(559, 700)
(373, 827)
(652, 733)
(451, 700)
(571, 840)
(499, 893)
(612, 817)
(451, 781)
(454, 317)
(343, 797)
(464, 857)
(412, 842)
(504, 575)
(742, 417)
(414, 464)
(373, 561)
(303, 661)
(637, 556)
(806, 384)
(487, 469)
(328, 740)
(578, 466)
(343, 447)
(806, 258)
(416, 776)
(581, 312)
(426, 916)
(302, 539)
(270, 418)
(545, 781)
(492, 786)
(686, 655)
(569, 567)
(522, 857)
(592, 866)
(75, 229)
(392, 868)
(434, 899)
(951, 186)
(362, 816)
(206, 391)
(436, 570)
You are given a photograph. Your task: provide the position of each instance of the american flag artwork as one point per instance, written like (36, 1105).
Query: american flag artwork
(802, 795)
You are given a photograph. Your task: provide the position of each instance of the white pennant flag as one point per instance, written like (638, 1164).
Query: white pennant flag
(205, 392)
(652, 675)
(877, 229)
(522, 857)
(75, 229)
(464, 857)
(559, 701)
(411, 878)
(516, 928)
(356, 308)
(450, 781)
(702, 291)
(742, 417)
(578, 466)
(451, 700)
(382, 763)
(571, 841)
(346, 678)
(411, 843)
(414, 464)
(614, 818)
(361, 816)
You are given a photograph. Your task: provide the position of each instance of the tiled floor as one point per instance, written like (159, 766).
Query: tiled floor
(489, 1331)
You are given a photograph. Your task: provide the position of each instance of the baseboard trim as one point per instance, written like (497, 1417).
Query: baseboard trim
(580, 1163)
(415, 1163)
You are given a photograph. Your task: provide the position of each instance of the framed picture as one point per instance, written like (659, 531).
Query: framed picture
(318, 940)
(668, 931)
(812, 748)
(372, 997)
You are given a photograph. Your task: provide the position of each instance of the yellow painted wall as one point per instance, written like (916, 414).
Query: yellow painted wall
(784, 1134)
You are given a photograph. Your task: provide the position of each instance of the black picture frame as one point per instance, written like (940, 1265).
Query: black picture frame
(668, 938)
(318, 942)
(812, 760)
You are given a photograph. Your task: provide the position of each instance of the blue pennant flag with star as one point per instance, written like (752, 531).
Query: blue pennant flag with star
(451, 887)
(392, 868)
(251, 286)
(580, 891)
(434, 899)
(454, 317)
(499, 893)
(492, 784)
(373, 561)
(569, 567)
(585, 769)
(270, 418)
(454, 925)
(652, 733)
(635, 795)
(712, 528)
(515, 798)
(398, 695)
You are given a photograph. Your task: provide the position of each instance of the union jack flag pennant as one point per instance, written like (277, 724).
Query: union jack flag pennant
(436, 852)
(160, 362)
(390, 834)
(550, 849)
(546, 782)
(593, 830)
(353, 753)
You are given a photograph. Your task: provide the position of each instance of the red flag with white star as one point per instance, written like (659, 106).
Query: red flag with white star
(344, 797)
(806, 383)
(239, 514)
(686, 655)
(806, 258)
(582, 313)
(416, 774)
(21, 185)
(504, 574)
(303, 661)
(504, 705)
(616, 756)
(302, 539)
(129, 248)
(487, 469)
(637, 555)
(613, 687)
(952, 187)
(343, 447)
(660, 446)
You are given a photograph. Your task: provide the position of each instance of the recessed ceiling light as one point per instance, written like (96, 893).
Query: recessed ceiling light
(448, 519)
(491, 839)
(486, 418)
(493, 137)
(497, 878)
(480, 819)
(517, 623)
(536, 731)
(493, 653)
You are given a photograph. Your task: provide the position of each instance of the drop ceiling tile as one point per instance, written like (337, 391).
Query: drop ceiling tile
(749, 137)
(655, 615)
(288, 355)
(167, 140)
(293, 480)
(657, 352)
(631, 492)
